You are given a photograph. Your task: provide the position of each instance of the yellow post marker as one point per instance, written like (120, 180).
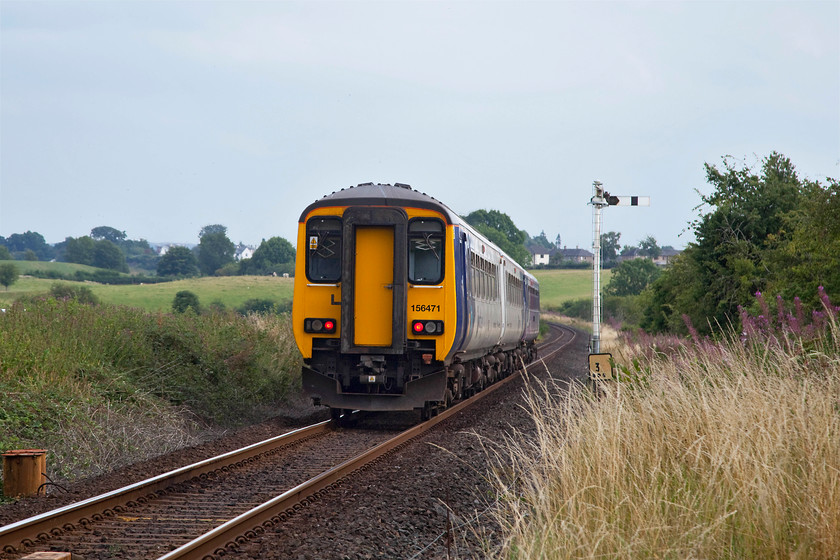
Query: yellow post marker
(600, 367)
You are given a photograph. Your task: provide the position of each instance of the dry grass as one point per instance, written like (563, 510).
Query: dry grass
(715, 451)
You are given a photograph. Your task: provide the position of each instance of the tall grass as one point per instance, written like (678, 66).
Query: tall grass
(103, 385)
(707, 450)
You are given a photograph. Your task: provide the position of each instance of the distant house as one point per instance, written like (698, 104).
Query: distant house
(243, 252)
(576, 255)
(163, 248)
(539, 258)
(540, 255)
(667, 255)
(630, 253)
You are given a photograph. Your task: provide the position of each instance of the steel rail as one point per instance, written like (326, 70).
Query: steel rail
(226, 537)
(27, 531)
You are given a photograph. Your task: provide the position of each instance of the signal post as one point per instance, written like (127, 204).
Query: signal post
(600, 365)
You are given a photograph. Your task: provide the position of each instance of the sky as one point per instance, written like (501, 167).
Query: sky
(159, 117)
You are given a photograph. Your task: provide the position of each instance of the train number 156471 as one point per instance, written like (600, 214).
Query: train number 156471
(423, 308)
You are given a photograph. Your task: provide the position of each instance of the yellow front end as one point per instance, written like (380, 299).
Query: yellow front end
(374, 278)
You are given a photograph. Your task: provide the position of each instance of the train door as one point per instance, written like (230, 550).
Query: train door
(373, 295)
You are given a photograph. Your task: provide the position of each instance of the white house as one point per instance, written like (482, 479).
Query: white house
(243, 252)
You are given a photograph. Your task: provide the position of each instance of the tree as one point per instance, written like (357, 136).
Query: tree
(79, 250)
(18, 243)
(184, 300)
(500, 230)
(273, 255)
(212, 228)
(731, 259)
(806, 252)
(631, 277)
(8, 274)
(139, 255)
(649, 248)
(178, 261)
(610, 244)
(215, 250)
(5, 255)
(30, 255)
(542, 242)
(107, 255)
(108, 234)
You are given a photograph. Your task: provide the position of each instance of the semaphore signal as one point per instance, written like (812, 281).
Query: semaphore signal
(600, 364)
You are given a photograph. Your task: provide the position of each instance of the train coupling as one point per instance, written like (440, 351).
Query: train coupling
(371, 364)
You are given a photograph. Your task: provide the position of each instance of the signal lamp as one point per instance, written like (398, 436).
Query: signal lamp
(319, 326)
(427, 327)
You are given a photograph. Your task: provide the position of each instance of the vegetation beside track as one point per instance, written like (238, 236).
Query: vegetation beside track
(100, 386)
(704, 449)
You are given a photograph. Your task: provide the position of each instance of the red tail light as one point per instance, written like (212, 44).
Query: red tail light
(427, 327)
(319, 326)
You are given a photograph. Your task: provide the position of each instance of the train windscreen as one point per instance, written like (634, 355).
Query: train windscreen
(324, 256)
(425, 251)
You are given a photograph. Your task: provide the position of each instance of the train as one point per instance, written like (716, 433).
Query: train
(399, 304)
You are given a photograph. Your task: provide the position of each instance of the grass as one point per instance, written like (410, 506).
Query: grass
(28, 267)
(724, 450)
(231, 291)
(101, 386)
(556, 287)
(562, 285)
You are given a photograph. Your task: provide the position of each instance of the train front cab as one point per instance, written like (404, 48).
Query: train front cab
(375, 306)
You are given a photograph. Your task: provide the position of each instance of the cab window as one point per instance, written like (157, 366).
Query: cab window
(323, 257)
(425, 251)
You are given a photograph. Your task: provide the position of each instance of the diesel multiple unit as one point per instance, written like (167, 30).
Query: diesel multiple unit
(399, 304)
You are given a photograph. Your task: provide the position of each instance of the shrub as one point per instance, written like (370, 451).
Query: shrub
(184, 300)
(81, 294)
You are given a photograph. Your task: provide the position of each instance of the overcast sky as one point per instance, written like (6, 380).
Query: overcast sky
(160, 117)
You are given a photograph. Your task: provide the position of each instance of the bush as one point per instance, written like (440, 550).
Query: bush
(81, 294)
(184, 300)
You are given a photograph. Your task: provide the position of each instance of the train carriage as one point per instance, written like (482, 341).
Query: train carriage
(399, 304)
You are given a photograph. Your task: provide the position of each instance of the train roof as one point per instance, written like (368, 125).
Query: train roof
(370, 194)
(398, 195)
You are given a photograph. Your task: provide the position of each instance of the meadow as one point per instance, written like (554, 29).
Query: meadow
(230, 291)
(556, 287)
(562, 285)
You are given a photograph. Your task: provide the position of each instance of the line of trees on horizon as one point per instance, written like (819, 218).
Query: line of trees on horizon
(109, 248)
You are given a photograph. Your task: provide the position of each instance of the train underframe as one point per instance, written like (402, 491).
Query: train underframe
(412, 380)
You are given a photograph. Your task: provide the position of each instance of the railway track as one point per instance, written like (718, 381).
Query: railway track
(209, 508)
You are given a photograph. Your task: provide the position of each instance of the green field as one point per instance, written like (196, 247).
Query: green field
(232, 291)
(558, 286)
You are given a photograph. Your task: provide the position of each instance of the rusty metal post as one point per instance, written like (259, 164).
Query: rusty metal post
(24, 471)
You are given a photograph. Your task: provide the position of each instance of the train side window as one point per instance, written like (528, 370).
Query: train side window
(425, 251)
(323, 257)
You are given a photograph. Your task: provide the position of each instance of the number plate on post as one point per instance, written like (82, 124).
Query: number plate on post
(600, 366)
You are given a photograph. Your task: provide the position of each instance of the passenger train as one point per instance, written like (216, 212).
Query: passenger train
(399, 304)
